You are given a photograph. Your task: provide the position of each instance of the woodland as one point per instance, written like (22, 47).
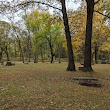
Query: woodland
(81, 35)
(54, 54)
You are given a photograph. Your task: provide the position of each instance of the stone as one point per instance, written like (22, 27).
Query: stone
(85, 78)
(103, 61)
(88, 81)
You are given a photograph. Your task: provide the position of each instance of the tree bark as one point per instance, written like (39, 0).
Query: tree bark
(36, 57)
(71, 64)
(28, 48)
(109, 57)
(88, 51)
(15, 52)
(21, 51)
(52, 53)
(52, 56)
(59, 53)
(7, 54)
(96, 54)
(0, 57)
(42, 55)
(28, 39)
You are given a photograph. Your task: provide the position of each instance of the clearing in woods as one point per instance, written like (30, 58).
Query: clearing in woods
(46, 86)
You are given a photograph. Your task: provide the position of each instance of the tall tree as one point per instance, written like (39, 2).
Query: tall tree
(87, 55)
(71, 63)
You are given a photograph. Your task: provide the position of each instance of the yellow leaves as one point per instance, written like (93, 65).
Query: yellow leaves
(99, 5)
(106, 45)
(64, 46)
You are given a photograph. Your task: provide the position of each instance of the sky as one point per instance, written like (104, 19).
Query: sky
(69, 4)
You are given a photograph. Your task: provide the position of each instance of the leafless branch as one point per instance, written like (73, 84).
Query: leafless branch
(97, 2)
(102, 14)
(38, 2)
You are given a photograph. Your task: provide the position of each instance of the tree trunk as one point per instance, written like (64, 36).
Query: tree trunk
(52, 58)
(28, 48)
(21, 51)
(0, 57)
(59, 53)
(96, 54)
(28, 55)
(71, 64)
(15, 52)
(109, 57)
(28, 39)
(42, 55)
(52, 54)
(7, 54)
(36, 57)
(22, 56)
(88, 51)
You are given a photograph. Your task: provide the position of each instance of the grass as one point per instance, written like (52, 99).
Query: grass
(49, 87)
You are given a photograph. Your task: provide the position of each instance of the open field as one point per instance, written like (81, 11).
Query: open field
(49, 87)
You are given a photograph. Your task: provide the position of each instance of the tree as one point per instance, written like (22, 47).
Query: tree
(4, 38)
(46, 29)
(71, 63)
(87, 55)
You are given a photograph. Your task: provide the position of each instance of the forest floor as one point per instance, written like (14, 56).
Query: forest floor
(46, 86)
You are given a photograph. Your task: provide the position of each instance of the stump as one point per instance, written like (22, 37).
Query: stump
(26, 62)
(108, 62)
(85, 69)
(82, 61)
(2, 63)
(9, 63)
(81, 68)
(88, 81)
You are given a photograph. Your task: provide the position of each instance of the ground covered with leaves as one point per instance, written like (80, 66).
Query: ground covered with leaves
(50, 87)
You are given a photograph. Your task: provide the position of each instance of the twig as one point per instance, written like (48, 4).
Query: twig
(102, 14)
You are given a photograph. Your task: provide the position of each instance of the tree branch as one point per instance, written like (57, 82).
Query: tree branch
(31, 2)
(102, 14)
(97, 2)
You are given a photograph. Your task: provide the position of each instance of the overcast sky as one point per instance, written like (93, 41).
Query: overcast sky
(70, 5)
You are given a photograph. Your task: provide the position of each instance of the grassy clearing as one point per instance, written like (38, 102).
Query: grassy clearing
(49, 87)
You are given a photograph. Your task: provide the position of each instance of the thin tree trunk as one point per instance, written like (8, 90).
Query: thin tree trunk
(71, 64)
(21, 51)
(88, 51)
(59, 54)
(22, 56)
(7, 54)
(109, 57)
(52, 54)
(28, 47)
(52, 58)
(28, 39)
(96, 54)
(36, 57)
(15, 53)
(0, 56)
(42, 55)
